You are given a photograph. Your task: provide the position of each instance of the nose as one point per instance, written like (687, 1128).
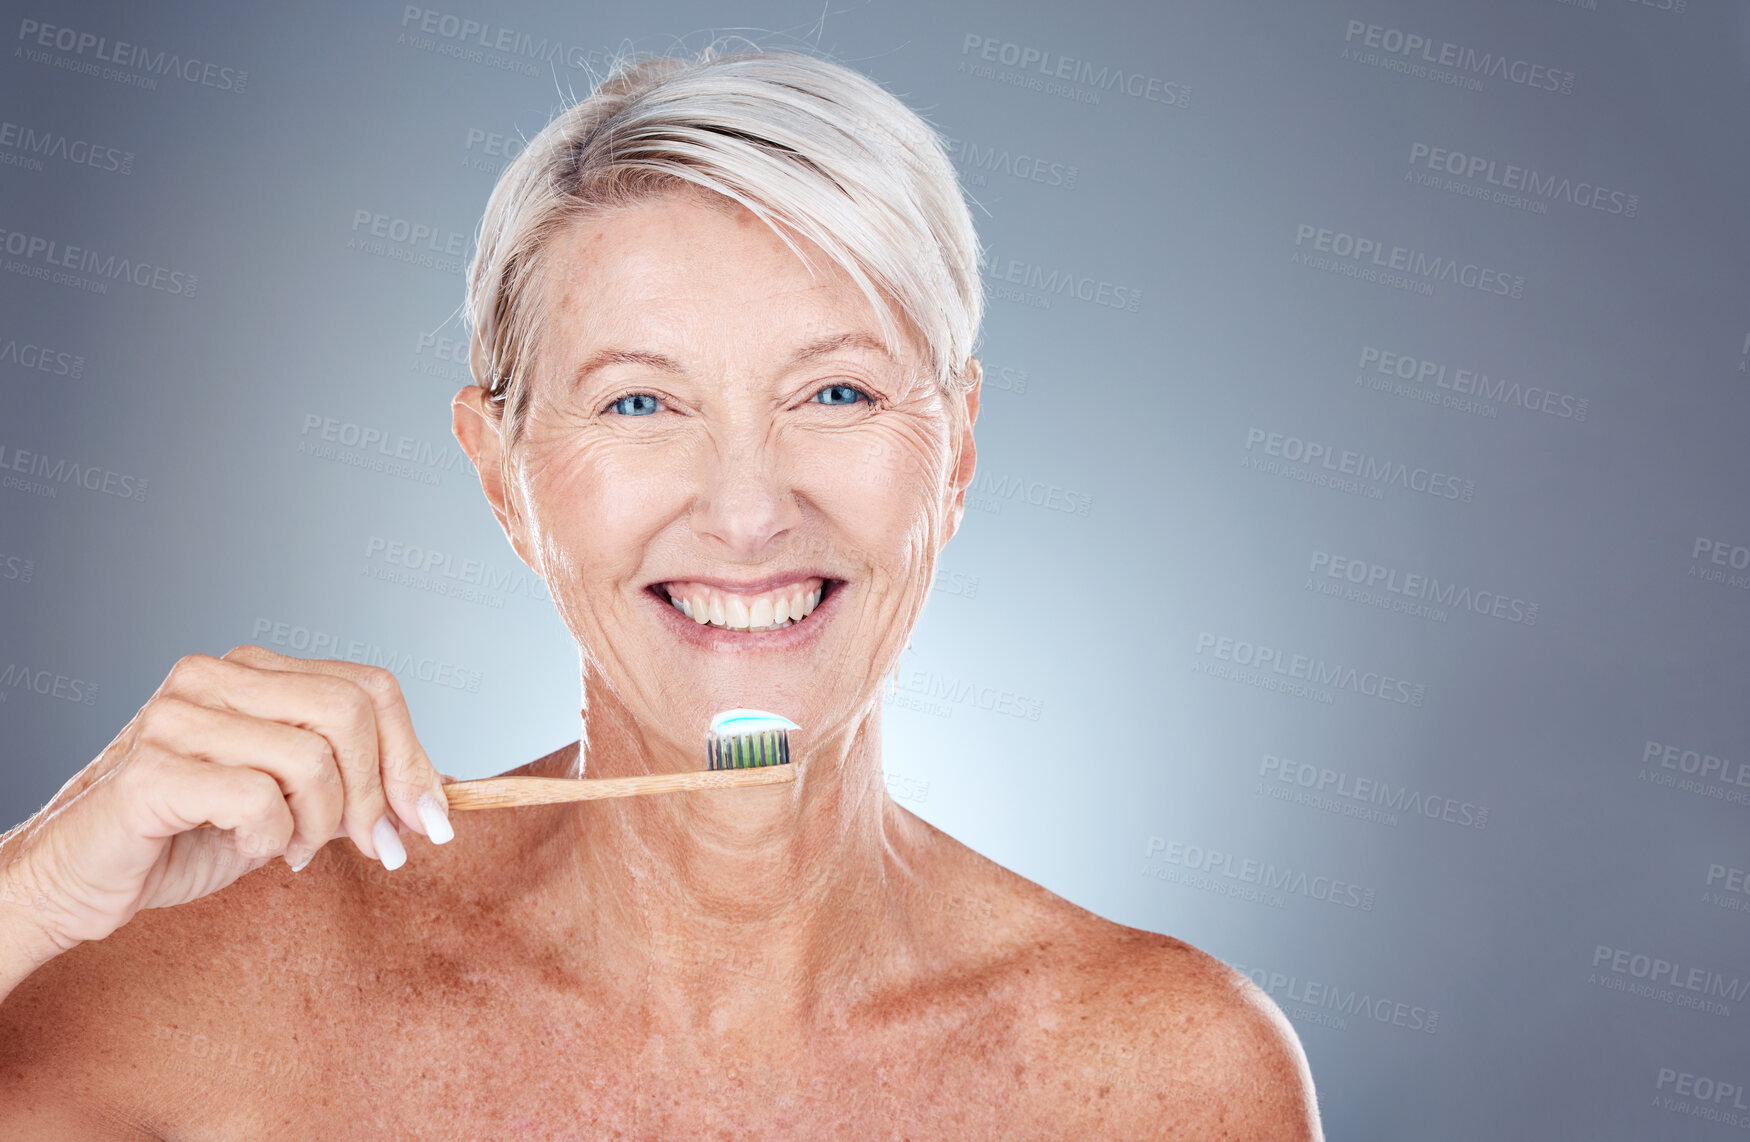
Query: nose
(745, 500)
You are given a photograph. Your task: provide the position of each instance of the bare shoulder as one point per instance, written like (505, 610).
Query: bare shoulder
(1140, 1034)
(87, 1034)
(178, 1011)
(1166, 1041)
(66, 1048)
(1191, 1047)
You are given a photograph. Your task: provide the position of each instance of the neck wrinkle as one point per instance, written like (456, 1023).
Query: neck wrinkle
(775, 899)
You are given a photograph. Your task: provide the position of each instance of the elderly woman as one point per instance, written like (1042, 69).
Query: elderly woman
(723, 316)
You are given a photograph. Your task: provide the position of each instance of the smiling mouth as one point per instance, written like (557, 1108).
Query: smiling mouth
(748, 613)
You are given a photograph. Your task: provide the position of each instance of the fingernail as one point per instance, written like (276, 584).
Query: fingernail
(388, 843)
(435, 820)
(300, 865)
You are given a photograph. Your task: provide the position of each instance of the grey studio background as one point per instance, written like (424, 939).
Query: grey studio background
(1355, 580)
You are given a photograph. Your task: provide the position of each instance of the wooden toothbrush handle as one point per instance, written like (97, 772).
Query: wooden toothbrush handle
(506, 792)
(509, 792)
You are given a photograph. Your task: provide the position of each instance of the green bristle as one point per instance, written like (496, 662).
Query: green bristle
(749, 751)
(748, 739)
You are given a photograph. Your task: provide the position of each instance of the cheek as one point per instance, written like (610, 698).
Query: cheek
(881, 488)
(596, 506)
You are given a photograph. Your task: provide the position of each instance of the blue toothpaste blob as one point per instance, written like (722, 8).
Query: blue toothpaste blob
(744, 721)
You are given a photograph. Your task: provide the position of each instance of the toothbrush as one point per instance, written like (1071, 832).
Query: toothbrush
(743, 747)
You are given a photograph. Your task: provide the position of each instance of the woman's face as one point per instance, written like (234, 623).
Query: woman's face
(709, 424)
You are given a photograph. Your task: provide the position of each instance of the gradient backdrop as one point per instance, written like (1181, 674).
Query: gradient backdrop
(1356, 577)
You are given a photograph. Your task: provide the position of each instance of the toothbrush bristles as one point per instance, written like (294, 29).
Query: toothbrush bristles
(748, 751)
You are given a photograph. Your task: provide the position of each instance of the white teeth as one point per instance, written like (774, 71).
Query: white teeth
(771, 611)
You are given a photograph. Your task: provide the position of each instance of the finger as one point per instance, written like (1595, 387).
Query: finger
(165, 793)
(197, 863)
(411, 783)
(324, 703)
(107, 847)
(301, 760)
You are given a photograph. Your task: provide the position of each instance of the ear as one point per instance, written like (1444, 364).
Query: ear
(961, 477)
(477, 430)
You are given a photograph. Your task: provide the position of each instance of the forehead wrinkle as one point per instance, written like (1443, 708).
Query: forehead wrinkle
(587, 258)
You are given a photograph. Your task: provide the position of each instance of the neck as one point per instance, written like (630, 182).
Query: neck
(743, 907)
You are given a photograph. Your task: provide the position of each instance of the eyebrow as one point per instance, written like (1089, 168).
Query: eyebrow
(818, 347)
(821, 346)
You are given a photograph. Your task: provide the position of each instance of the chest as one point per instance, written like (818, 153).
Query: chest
(544, 1069)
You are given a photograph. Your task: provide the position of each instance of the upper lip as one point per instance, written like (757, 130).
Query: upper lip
(748, 586)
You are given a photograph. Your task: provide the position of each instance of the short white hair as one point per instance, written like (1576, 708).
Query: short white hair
(803, 142)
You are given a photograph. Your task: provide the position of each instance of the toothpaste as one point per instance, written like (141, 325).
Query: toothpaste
(744, 721)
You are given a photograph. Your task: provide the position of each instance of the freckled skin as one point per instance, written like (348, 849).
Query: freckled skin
(797, 961)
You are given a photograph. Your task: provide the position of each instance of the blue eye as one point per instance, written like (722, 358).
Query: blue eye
(635, 404)
(841, 394)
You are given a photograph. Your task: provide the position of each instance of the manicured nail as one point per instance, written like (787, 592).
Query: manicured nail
(302, 864)
(388, 843)
(435, 820)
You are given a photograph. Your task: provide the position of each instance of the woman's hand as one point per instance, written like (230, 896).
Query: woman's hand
(281, 754)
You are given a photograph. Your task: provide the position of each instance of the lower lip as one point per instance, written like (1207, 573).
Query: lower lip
(715, 638)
